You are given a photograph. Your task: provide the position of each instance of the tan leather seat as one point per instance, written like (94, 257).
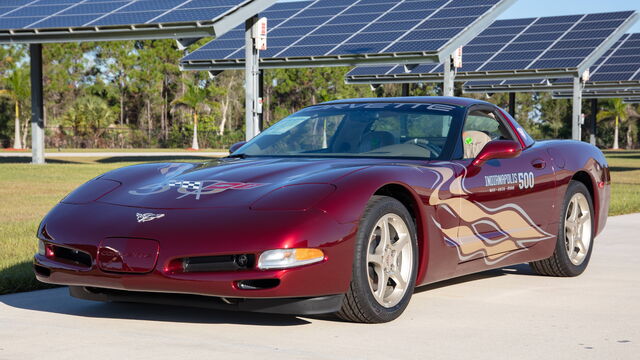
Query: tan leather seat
(473, 142)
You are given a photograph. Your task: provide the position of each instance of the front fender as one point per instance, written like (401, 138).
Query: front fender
(348, 202)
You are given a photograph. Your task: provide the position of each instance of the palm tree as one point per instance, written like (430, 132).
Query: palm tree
(616, 110)
(195, 101)
(18, 90)
(89, 116)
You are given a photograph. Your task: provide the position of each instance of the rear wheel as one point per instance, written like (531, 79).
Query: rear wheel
(575, 236)
(385, 264)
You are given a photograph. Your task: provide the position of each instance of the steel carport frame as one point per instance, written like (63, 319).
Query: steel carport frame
(35, 37)
(575, 73)
(443, 55)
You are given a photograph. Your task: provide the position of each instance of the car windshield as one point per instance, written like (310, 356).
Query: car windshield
(396, 130)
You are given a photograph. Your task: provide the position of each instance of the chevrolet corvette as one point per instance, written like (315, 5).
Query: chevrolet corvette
(343, 207)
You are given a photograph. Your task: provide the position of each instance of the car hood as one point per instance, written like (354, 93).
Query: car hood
(221, 183)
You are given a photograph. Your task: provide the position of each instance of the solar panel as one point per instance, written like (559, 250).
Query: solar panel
(77, 13)
(339, 29)
(619, 67)
(26, 17)
(524, 46)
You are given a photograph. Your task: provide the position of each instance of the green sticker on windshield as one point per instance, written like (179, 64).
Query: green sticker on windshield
(468, 141)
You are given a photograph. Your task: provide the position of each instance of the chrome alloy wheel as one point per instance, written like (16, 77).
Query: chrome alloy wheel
(389, 260)
(577, 229)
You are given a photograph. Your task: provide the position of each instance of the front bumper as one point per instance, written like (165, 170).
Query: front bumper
(201, 232)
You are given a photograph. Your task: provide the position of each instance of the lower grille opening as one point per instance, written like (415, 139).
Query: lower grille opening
(261, 284)
(41, 270)
(218, 263)
(75, 256)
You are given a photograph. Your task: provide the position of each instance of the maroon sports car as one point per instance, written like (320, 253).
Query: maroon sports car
(344, 207)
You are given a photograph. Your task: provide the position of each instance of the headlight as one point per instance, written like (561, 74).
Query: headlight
(91, 191)
(288, 258)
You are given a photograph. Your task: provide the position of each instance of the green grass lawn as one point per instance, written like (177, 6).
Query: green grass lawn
(625, 178)
(27, 192)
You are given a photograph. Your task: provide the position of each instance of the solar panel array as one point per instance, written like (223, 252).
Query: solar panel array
(621, 63)
(342, 27)
(611, 94)
(527, 44)
(45, 14)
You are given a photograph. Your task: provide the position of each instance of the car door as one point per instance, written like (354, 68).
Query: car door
(505, 203)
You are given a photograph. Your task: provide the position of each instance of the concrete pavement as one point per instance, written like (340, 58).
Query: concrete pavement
(502, 314)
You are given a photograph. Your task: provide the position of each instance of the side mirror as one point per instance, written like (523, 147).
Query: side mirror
(236, 146)
(498, 149)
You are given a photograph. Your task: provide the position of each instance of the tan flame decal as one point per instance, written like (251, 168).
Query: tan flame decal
(511, 220)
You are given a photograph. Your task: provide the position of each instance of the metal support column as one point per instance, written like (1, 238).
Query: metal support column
(576, 126)
(37, 105)
(594, 118)
(512, 104)
(261, 100)
(449, 77)
(405, 89)
(251, 80)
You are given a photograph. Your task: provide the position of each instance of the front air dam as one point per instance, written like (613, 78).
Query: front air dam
(292, 306)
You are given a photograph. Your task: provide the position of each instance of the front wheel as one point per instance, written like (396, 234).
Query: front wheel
(575, 236)
(385, 264)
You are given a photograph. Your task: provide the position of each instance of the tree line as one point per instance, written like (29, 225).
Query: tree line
(132, 94)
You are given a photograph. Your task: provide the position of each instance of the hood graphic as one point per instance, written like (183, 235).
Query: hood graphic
(223, 183)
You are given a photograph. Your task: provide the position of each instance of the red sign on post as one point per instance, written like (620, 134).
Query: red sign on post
(260, 34)
(457, 58)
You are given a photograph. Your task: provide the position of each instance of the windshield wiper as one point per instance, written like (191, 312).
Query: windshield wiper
(237, 156)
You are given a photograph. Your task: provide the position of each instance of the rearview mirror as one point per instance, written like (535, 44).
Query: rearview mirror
(498, 149)
(236, 146)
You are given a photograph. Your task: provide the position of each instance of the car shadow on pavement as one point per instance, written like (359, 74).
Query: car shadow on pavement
(519, 269)
(58, 301)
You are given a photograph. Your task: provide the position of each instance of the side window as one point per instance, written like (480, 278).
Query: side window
(480, 128)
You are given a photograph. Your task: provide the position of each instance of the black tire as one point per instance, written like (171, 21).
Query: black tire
(559, 263)
(359, 304)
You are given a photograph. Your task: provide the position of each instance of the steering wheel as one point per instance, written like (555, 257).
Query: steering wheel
(425, 144)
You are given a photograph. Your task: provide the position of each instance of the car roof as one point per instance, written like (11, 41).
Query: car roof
(456, 101)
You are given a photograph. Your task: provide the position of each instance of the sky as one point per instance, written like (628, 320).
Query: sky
(535, 8)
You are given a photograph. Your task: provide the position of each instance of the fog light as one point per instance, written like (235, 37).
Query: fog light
(288, 258)
(48, 251)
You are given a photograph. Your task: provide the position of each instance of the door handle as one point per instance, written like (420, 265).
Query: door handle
(539, 164)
